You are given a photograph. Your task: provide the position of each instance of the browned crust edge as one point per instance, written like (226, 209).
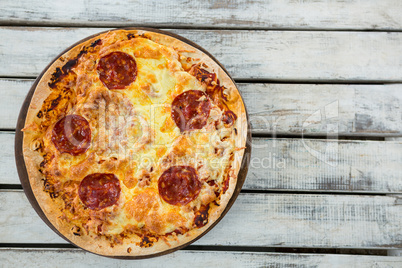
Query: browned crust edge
(32, 158)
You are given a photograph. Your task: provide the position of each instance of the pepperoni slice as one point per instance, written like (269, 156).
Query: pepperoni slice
(179, 185)
(190, 110)
(117, 70)
(99, 190)
(72, 135)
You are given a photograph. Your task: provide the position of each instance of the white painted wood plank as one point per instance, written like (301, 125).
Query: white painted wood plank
(13, 93)
(8, 169)
(324, 110)
(369, 14)
(183, 258)
(297, 165)
(325, 165)
(276, 220)
(275, 55)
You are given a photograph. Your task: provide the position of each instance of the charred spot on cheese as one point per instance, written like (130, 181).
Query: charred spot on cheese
(46, 159)
(229, 118)
(96, 43)
(131, 36)
(49, 186)
(60, 73)
(49, 181)
(55, 105)
(76, 230)
(201, 216)
(203, 75)
(147, 241)
(56, 76)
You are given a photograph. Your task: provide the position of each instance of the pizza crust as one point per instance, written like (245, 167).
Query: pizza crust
(49, 206)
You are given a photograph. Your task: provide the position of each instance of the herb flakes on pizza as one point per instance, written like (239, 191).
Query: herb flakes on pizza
(133, 142)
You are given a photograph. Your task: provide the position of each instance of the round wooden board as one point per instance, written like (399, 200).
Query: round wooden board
(22, 171)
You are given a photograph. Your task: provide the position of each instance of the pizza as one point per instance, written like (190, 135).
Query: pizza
(133, 142)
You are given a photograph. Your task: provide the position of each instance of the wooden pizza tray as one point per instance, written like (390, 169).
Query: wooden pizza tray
(22, 171)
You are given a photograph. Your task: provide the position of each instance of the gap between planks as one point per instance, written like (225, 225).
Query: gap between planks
(201, 28)
(182, 258)
(378, 252)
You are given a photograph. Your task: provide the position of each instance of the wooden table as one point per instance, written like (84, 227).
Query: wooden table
(322, 81)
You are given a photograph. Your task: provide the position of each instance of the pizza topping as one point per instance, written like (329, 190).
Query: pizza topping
(179, 185)
(72, 135)
(117, 70)
(201, 216)
(99, 190)
(190, 110)
(129, 180)
(76, 230)
(217, 93)
(141, 204)
(229, 118)
(144, 179)
(147, 241)
(155, 223)
(226, 184)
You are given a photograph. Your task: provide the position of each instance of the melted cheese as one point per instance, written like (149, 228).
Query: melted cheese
(135, 138)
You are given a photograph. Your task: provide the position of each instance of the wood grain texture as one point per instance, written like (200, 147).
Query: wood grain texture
(79, 258)
(325, 165)
(323, 110)
(369, 14)
(8, 169)
(277, 220)
(284, 54)
(297, 165)
(274, 55)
